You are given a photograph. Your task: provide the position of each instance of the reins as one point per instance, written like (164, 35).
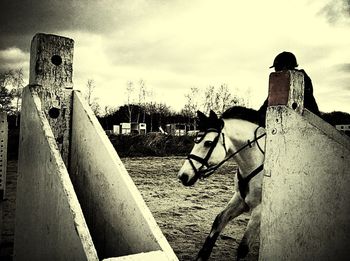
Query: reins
(243, 182)
(211, 170)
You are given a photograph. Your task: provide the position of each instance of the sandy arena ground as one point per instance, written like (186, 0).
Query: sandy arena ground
(184, 214)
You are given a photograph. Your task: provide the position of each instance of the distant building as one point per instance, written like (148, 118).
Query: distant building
(126, 128)
(180, 129)
(192, 132)
(176, 129)
(109, 132)
(142, 128)
(116, 129)
(343, 127)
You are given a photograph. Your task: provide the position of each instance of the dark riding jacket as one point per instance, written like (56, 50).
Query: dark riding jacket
(309, 100)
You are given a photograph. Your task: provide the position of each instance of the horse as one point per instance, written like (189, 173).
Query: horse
(237, 135)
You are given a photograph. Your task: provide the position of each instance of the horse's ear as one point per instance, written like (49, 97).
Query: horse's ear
(202, 120)
(201, 115)
(212, 115)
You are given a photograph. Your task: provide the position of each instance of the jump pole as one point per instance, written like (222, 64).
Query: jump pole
(49, 224)
(75, 199)
(3, 153)
(306, 188)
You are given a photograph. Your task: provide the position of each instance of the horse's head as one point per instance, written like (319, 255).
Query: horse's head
(209, 149)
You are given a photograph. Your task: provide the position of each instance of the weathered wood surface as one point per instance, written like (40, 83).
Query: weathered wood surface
(49, 221)
(119, 220)
(306, 195)
(287, 88)
(3, 153)
(51, 70)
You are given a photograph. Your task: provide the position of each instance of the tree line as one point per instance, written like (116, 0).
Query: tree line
(11, 86)
(139, 105)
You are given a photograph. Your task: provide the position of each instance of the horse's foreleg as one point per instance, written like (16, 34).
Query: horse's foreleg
(251, 235)
(234, 208)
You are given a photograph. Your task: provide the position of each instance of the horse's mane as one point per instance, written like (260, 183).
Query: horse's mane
(243, 113)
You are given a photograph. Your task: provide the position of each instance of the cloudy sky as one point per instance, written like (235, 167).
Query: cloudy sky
(175, 45)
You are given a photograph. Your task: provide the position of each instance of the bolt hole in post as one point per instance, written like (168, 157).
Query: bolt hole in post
(54, 112)
(294, 105)
(56, 60)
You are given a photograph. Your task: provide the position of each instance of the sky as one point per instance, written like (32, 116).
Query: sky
(175, 45)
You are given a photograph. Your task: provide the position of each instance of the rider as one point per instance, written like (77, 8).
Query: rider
(287, 61)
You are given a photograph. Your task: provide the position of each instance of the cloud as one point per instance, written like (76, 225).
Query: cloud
(31, 15)
(21, 20)
(336, 11)
(334, 99)
(174, 45)
(13, 58)
(344, 67)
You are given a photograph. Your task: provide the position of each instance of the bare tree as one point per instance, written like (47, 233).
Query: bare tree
(223, 99)
(18, 84)
(6, 95)
(129, 99)
(95, 107)
(248, 94)
(142, 100)
(89, 96)
(90, 87)
(151, 109)
(209, 99)
(191, 105)
(220, 99)
(163, 110)
(108, 110)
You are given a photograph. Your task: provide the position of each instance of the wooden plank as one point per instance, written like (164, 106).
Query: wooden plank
(306, 195)
(3, 153)
(149, 256)
(49, 221)
(118, 218)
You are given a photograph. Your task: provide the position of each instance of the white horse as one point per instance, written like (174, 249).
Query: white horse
(235, 135)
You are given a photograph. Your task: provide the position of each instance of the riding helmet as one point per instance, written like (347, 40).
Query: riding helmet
(285, 60)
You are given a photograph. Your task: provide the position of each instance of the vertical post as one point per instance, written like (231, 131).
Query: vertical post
(287, 88)
(51, 69)
(49, 220)
(3, 153)
(305, 206)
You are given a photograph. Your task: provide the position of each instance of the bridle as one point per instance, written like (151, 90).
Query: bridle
(202, 172)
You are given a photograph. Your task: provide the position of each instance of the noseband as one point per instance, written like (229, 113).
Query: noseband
(202, 172)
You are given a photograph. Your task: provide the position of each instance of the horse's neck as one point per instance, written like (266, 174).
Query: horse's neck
(238, 133)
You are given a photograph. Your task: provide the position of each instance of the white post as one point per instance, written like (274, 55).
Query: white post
(306, 195)
(3, 153)
(51, 70)
(49, 221)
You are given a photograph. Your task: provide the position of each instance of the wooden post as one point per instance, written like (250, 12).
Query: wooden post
(51, 69)
(49, 214)
(305, 205)
(3, 152)
(287, 88)
(49, 220)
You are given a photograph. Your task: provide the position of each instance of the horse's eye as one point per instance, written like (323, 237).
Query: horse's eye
(208, 143)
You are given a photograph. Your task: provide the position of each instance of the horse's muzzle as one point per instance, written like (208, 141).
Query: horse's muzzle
(186, 181)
